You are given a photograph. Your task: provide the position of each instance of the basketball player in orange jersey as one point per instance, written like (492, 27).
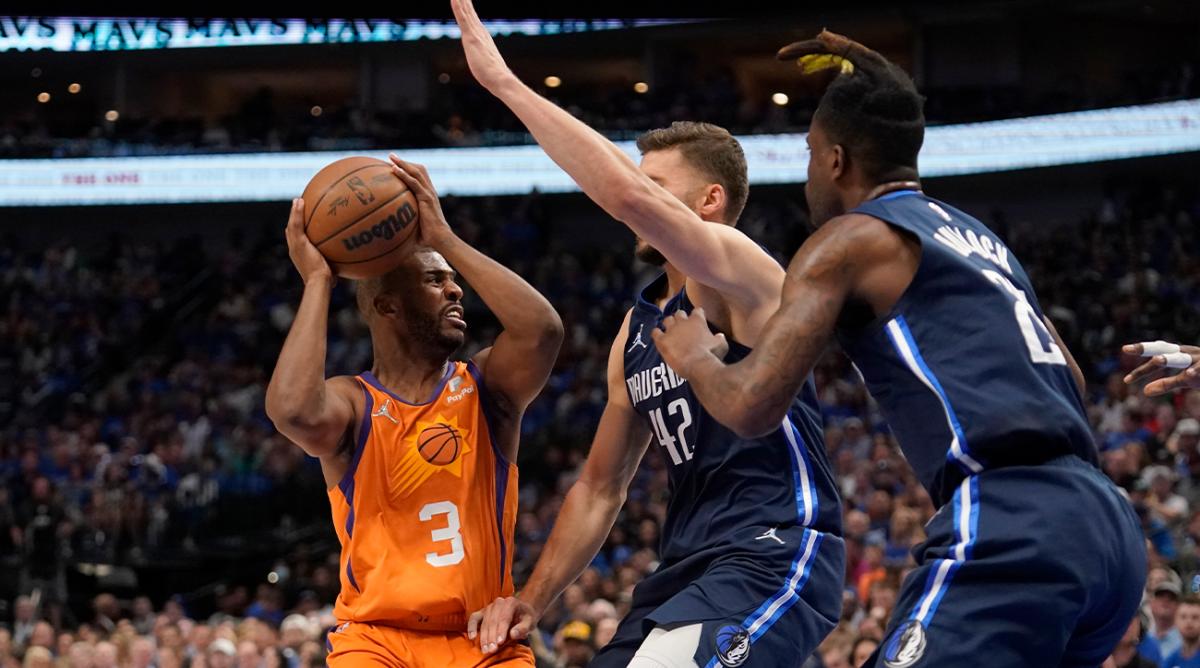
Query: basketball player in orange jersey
(418, 452)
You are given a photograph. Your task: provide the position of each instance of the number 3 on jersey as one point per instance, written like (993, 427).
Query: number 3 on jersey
(665, 439)
(1032, 327)
(449, 532)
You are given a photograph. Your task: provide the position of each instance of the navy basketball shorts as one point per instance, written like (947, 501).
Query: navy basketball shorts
(1026, 566)
(766, 599)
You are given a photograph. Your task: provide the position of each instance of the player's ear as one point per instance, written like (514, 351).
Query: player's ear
(837, 157)
(386, 306)
(713, 206)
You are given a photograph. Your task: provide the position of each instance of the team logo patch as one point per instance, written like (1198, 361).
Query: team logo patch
(733, 645)
(906, 646)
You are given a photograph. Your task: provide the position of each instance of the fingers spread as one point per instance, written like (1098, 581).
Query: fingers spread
(1166, 385)
(1145, 369)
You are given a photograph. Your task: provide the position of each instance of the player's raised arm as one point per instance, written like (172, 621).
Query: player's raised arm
(853, 256)
(310, 410)
(585, 519)
(718, 256)
(517, 365)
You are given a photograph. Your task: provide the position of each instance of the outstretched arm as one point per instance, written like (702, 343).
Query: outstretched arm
(718, 256)
(586, 517)
(851, 256)
(517, 365)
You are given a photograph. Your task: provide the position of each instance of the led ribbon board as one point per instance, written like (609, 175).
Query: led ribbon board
(1061, 139)
(123, 34)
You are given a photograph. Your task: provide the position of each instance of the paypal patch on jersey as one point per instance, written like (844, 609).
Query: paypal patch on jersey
(751, 546)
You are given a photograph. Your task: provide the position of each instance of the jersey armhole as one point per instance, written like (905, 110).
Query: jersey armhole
(346, 484)
(879, 322)
(486, 402)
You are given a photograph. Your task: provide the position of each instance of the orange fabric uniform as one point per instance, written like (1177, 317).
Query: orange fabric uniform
(426, 515)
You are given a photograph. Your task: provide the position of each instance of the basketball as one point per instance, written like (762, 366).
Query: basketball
(438, 444)
(359, 214)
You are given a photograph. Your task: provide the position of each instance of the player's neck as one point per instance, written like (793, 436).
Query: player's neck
(675, 283)
(868, 192)
(411, 374)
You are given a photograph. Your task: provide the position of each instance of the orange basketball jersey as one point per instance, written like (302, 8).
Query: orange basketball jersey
(427, 509)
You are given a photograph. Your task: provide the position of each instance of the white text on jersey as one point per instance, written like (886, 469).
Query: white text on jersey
(965, 243)
(652, 382)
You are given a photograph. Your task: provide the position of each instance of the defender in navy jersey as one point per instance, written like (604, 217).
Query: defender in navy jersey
(751, 558)
(1034, 557)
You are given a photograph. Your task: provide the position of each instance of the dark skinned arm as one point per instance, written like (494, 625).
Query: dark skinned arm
(516, 366)
(850, 257)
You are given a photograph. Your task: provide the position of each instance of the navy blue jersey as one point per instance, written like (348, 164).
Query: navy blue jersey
(720, 482)
(963, 367)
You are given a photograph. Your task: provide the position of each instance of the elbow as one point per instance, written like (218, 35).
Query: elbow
(278, 409)
(753, 420)
(550, 337)
(285, 417)
(748, 428)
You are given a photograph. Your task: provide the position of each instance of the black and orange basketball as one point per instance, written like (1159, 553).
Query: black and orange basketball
(359, 215)
(439, 444)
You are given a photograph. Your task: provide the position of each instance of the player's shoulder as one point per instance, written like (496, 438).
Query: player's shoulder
(348, 385)
(622, 333)
(855, 235)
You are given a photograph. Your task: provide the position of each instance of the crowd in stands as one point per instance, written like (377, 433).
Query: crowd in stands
(131, 385)
(461, 113)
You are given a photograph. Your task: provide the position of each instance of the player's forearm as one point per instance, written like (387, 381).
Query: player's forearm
(521, 309)
(582, 525)
(601, 169)
(740, 396)
(297, 387)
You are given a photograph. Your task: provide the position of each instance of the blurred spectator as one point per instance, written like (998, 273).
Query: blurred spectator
(861, 650)
(1187, 619)
(1164, 638)
(576, 648)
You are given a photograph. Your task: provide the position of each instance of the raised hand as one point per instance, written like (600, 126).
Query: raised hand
(484, 59)
(1164, 355)
(305, 256)
(433, 228)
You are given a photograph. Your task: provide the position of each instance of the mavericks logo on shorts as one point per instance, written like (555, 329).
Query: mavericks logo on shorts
(733, 645)
(906, 646)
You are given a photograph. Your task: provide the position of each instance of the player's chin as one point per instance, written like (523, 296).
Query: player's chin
(648, 254)
(453, 335)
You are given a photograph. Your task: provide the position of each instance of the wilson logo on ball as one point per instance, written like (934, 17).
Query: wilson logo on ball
(390, 227)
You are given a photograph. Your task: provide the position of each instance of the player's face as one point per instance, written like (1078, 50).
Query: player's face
(821, 189)
(669, 169)
(430, 302)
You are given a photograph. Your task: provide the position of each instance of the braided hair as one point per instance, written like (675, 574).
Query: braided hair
(869, 105)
